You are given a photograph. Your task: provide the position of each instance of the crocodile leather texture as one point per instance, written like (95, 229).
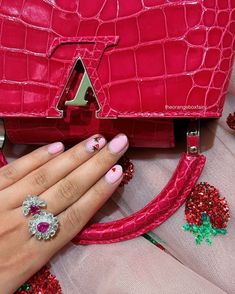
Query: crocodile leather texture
(149, 61)
(145, 58)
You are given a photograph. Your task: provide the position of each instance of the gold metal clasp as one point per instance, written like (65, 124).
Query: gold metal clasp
(85, 84)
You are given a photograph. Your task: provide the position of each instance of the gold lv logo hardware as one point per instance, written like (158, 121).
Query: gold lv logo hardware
(85, 84)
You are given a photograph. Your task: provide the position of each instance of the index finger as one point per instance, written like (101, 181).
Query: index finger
(16, 170)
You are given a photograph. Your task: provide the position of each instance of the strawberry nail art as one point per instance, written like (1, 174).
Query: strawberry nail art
(95, 143)
(114, 174)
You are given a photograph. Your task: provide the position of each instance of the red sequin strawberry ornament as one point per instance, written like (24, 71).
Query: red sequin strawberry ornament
(207, 213)
(231, 121)
(43, 282)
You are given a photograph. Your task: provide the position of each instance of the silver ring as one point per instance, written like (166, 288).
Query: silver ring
(43, 225)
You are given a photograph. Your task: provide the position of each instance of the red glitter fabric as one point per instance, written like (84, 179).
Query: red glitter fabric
(206, 198)
(128, 169)
(231, 121)
(43, 282)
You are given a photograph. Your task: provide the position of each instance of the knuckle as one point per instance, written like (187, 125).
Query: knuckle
(9, 172)
(98, 191)
(36, 155)
(74, 155)
(101, 163)
(73, 218)
(40, 179)
(67, 190)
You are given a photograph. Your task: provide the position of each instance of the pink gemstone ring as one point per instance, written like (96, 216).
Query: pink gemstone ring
(32, 205)
(43, 225)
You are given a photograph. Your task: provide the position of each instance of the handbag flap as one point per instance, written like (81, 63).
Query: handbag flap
(162, 59)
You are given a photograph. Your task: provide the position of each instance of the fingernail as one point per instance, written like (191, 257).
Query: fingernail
(55, 147)
(95, 143)
(114, 174)
(118, 144)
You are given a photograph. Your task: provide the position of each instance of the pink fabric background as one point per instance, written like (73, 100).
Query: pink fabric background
(137, 266)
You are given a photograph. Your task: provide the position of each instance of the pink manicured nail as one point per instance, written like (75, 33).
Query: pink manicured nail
(114, 174)
(118, 144)
(95, 143)
(55, 147)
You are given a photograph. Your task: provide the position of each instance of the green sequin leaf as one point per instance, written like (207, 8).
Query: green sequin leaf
(205, 231)
(24, 287)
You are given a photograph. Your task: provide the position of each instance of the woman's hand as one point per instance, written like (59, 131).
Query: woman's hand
(74, 184)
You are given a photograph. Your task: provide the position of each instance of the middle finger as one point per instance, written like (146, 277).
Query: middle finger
(73, 186)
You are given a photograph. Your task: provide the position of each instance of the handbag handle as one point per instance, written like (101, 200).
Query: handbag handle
(154, 213)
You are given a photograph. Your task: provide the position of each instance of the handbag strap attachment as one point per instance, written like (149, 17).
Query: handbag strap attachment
(193, 137)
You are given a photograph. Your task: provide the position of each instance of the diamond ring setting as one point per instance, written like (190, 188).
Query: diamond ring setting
(43, 225)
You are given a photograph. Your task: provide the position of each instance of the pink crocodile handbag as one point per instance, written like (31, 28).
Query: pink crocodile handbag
(70, 69)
